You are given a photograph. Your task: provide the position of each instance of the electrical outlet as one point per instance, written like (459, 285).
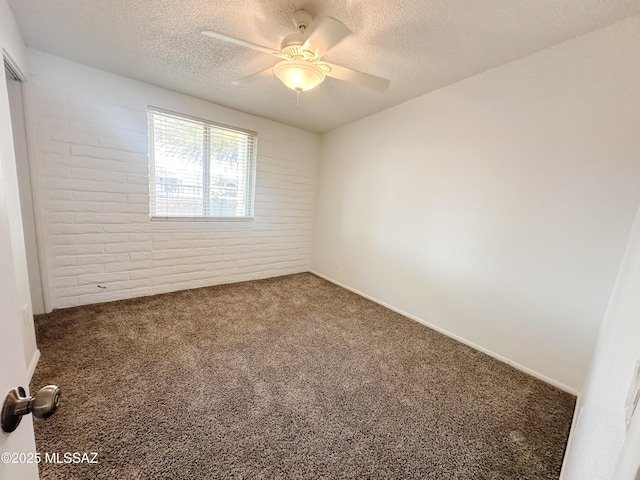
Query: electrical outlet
(337, 262)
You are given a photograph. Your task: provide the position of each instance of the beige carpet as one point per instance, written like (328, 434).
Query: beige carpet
(290, 377)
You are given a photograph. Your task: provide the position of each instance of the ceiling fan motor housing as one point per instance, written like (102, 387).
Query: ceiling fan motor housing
(291, 44)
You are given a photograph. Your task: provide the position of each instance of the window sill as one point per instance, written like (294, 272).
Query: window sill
(201, 219)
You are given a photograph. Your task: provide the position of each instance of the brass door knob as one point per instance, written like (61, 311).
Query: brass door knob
(43, 404)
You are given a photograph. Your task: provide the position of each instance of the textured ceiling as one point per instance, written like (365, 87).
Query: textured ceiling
(420, 45)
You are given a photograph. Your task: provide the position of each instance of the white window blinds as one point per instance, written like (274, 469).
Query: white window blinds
(199, 168)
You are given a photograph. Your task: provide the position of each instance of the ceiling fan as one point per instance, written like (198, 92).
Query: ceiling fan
(301, 66)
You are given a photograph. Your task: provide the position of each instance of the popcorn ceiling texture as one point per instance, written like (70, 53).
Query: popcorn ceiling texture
(419, 45)
(290, 377)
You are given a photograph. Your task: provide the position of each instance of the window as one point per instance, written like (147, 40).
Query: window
(198, 168)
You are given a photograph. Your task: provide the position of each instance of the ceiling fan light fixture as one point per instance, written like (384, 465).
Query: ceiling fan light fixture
(299, 75)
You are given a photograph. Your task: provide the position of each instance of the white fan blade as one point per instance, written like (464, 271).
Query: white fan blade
(266, 73)
(242, 43)
(358, 78)
(328, 34)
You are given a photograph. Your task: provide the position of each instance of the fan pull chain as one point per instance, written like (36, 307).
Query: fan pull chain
(298, 98)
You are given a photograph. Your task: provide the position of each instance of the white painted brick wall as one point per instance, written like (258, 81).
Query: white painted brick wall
(90, 138)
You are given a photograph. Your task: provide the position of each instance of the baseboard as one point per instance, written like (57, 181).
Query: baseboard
(499, 357)
(32, 364)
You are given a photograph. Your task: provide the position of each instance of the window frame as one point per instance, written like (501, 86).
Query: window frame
(250, 187)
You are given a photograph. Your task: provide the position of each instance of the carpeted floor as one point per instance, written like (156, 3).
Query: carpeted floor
(290, 377)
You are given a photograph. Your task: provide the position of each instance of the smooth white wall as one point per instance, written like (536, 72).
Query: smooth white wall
(599, 432)
(496, 209)
(91, 165)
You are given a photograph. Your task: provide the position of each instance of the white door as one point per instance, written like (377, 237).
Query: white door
(13, 370)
